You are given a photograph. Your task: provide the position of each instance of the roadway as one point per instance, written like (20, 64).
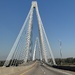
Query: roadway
(38, 69)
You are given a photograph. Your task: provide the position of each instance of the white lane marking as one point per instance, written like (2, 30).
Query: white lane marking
(58, 70)
(43, 71)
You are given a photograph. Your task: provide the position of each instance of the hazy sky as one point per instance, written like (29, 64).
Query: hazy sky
(58, 17)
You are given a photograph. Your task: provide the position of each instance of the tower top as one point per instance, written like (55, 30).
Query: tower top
(34, 3)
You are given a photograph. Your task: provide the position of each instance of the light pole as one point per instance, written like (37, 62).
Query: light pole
(60, 44)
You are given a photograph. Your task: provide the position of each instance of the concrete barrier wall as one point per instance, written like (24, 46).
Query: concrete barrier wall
(70, 68)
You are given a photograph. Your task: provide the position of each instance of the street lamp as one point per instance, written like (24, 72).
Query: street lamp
(60, 44)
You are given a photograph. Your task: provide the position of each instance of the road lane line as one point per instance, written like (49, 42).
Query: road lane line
(43, 71)
(28, 69)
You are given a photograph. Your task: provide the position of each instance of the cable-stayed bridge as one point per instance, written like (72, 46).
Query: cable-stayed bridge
(24, 51)
(22, 48)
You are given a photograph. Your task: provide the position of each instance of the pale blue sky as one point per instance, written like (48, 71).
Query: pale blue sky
(58, 17)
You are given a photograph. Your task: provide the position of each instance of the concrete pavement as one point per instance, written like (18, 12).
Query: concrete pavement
(39, 69)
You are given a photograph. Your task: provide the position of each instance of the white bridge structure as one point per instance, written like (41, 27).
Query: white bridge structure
(23, 51)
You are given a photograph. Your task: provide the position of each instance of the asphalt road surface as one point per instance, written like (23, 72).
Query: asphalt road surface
(39, 69)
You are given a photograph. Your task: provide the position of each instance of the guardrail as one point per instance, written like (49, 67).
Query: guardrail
(70, 68)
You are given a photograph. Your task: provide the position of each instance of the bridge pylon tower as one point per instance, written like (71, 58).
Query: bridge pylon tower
(20, 50)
